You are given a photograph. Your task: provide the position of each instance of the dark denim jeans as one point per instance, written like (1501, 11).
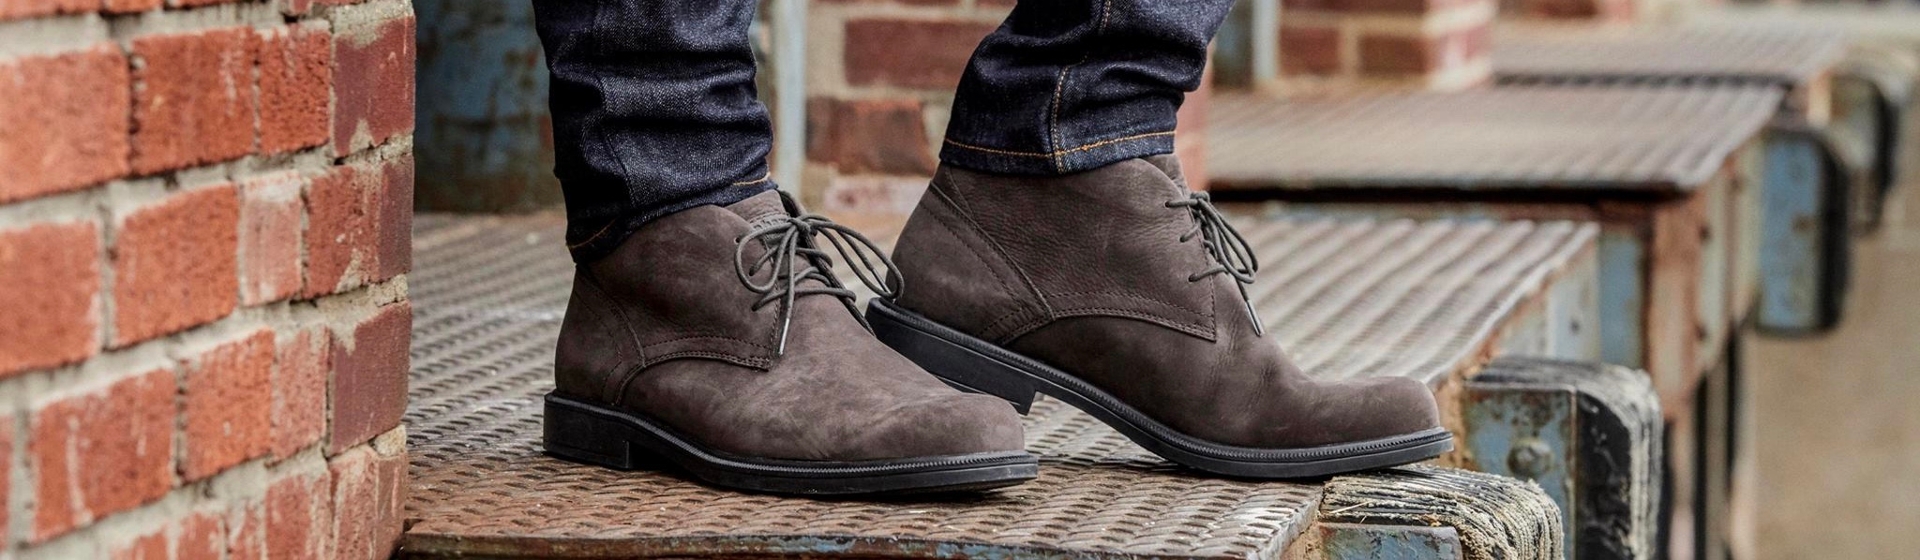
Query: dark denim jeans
(654, 108)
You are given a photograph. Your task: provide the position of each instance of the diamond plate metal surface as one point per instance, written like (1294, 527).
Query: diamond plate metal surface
(1773, 57)
(1352, 297)
(1619, 140)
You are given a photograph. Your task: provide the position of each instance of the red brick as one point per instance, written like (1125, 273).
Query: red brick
(299, 517)
(300, 7)
(11, 9)
(6, 472)
(100, 453)
(910, 53)
(300, 391)
(229, 405)
(174, 264)
(246, 533)
(372, 84)
(51, 277)
(151, 546)
(1309, 50)
(194, 3)
(195, 103)
(131, 6)
(340, 238)
(202, 537)
(370, 377)
(369, 489)
(869, 136)
(1374, 6)
(296, 81)
(66, 121)
(393, 222)
(1592, 10)
(271, 210)
(1399, 55)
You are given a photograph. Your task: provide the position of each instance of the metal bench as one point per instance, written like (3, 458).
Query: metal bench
(1808, 190)
(1660, 169)
(1432, 300)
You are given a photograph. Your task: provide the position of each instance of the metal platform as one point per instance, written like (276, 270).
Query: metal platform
(1649, 164)
(1807, 181)
(1789, 59)
(1428, 300)
(1611, 141)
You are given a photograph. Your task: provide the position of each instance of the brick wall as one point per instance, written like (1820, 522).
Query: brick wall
(204, 211)
(1333, 45)
(880, 81)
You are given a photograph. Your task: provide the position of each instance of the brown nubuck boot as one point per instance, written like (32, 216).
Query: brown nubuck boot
(716, 339)
(1120, 292)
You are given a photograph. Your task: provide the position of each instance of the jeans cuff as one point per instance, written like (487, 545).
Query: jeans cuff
(589, 245)
(1059, 162)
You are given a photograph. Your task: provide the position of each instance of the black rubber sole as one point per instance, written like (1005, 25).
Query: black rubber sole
(595, 435)
(971, 364)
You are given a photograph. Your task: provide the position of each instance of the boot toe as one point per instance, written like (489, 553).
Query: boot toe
(945, 424)
(1397, 406)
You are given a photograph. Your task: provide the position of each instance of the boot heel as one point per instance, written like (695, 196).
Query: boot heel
(958, 366)
(572, 431)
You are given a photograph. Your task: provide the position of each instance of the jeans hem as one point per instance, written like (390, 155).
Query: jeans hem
(605, 239)
(1058, 162)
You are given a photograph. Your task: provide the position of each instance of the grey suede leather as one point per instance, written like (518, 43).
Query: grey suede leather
(1087, 273)
(664, 328)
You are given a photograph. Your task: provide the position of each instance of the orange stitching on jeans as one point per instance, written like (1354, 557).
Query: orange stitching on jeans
(590, 238)
(1057, 153)
(762, 179)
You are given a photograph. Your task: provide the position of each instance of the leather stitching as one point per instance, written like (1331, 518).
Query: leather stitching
(1129, 295)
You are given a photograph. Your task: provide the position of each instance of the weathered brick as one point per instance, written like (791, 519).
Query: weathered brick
(174, 264)
(910, 53)
(372, 83)
(51, 281)
(393, 222)
(229, 405)
(369, 392)
(246, 533)
(296, 81)
(99, 453)
(196, 3)
(203, 536)
(12, 9)
(6, 473)
(869, 136)
(300, 391)
(301, 7)
(1399, 55)
(270, 245)
(1309, 50)
(66, 121)
(131, 6)
(1374, 6)
(340, 236)
(369, 489)
(299, 517)
(150, 546)
(195, 101)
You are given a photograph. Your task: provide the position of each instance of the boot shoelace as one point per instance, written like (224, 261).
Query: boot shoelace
(791, 239)
(1229, 251)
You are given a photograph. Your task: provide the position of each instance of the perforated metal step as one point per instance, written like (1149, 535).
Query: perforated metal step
(1351, 297)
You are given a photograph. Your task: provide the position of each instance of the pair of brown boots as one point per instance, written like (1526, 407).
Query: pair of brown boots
(716, 340)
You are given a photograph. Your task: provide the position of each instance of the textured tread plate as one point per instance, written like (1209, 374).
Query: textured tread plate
(1355, 297)
(1662, 141)
(1772, 57)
